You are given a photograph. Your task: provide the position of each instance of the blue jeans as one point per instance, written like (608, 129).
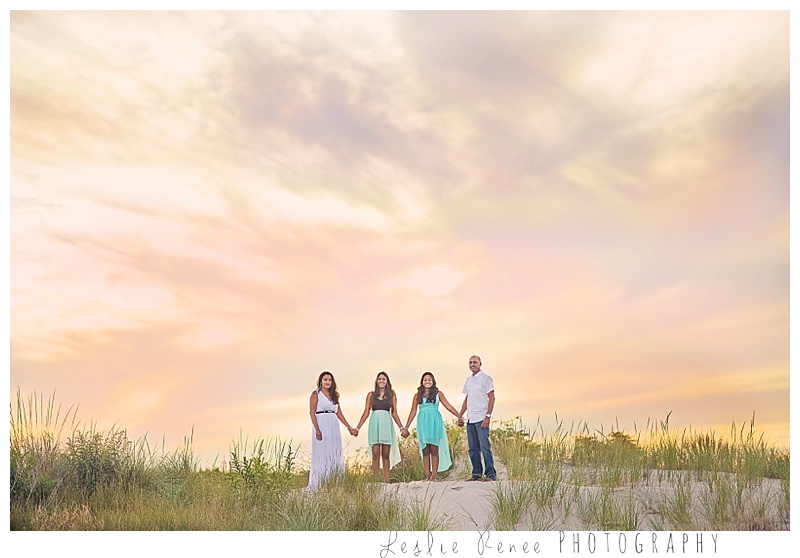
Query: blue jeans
(479, 444)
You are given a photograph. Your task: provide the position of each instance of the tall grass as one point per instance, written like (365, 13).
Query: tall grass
(36, 461)
(614, 480)
(674, 504)
(510, 503)
(604, 509)
(71, 476)
(266, 467)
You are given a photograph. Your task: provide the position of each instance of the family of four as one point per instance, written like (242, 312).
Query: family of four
(327, 458)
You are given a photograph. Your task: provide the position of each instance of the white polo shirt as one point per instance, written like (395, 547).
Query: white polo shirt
(477, 388)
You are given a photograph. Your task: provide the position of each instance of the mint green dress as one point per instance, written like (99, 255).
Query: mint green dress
(430, 430)
(381, 430)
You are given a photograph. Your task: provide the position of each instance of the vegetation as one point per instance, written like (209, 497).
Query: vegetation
(658, 479)
(68, 476)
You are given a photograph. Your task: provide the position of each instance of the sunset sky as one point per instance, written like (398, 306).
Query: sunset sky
(210, 208)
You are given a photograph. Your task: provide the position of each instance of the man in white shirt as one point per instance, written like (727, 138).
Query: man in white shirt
(478, 404)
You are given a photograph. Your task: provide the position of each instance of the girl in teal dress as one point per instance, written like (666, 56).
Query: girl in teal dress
(431, 433)
(381, 408)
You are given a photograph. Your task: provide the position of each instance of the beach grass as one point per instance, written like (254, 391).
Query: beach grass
(656, 479)
(66, 475)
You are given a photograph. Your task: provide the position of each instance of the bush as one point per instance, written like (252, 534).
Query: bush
(95, 459)
(267, 470)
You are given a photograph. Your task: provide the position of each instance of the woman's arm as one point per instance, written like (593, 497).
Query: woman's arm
(340, 414)
(447, 404)
(365, 414)
(413, 412)
(395, 416)
(463, 410)
(312, 403)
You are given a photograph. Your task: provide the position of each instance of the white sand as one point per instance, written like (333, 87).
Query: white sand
(460, 505)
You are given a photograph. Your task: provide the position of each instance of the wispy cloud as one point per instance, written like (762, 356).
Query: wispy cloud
(209, 208)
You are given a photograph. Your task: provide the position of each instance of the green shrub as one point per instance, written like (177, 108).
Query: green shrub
(268, 468)
(95, 459)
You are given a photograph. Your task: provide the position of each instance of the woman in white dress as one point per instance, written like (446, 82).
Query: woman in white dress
(327, 458)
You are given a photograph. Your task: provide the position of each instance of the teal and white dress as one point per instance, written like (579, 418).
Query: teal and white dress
(381, 428)
(430, 430)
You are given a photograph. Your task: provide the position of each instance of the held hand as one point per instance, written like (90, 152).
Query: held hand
(319, 434)
(353, 431)
(461, 421)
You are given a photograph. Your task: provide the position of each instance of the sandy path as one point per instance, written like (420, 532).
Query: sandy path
(459, 505)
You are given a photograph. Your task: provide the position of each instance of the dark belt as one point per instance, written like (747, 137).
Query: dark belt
(320, 412)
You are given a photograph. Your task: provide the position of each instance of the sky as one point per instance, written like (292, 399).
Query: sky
(207, 209)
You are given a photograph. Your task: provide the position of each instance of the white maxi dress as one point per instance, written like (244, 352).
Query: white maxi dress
(327, 458)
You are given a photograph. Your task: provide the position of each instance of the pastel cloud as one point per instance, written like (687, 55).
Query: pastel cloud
(209, 208)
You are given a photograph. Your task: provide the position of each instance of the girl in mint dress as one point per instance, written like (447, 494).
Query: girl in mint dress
(433, 446)
(381, 408)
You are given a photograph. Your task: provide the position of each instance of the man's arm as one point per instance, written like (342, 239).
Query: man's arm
(487, 419)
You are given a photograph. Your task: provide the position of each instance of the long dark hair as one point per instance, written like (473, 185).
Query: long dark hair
(334, 393)
(434, 391)
(387, 392)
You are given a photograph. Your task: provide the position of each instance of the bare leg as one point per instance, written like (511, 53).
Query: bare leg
(376, 456)
(434, 460)
(385, 455)
(426, 461)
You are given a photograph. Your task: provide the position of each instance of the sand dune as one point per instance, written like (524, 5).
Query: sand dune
(456, 504)
(459, 505)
